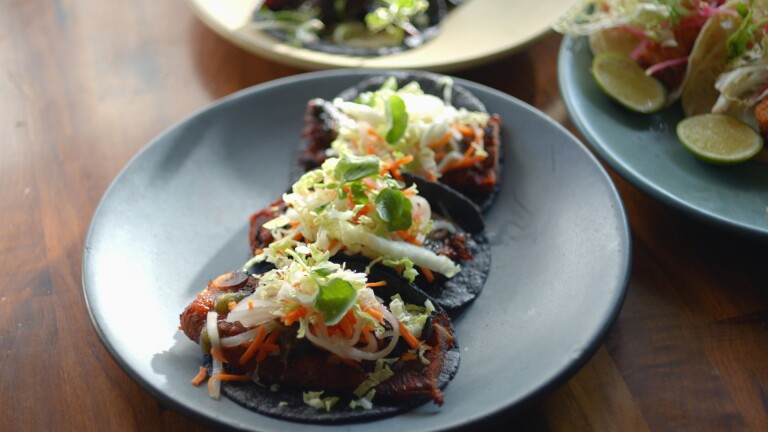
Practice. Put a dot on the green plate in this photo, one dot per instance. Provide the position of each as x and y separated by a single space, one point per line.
644 149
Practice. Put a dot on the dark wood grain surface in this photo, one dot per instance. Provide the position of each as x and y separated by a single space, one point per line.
85 84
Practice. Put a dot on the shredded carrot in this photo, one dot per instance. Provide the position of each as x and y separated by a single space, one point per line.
428 274
231 305
258 251
294 315
378 316
431 177
294 224
408 237
392 167
408 356
403 160
269 345
348 191
215 353
347 323
257 340
442 142
469 161
365 334
332 244
376 284
465 130
225 377
396 174
250 304
363 211
408 336
464 163
200 377
374 134
469 151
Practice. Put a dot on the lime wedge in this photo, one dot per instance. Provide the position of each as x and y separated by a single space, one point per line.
624 80
719 138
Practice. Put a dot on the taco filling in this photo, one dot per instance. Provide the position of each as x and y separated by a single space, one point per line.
311 338
658 35
729 67
353 206
414 123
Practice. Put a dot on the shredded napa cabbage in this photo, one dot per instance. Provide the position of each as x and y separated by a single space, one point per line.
431 132
375 378
334 215
411 316
317 294
745 79
364 402
317 402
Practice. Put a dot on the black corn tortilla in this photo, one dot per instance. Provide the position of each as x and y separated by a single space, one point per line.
263 400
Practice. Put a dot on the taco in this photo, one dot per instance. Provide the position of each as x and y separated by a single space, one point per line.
443 127
352 206
729 67
310 341
363 28
658 35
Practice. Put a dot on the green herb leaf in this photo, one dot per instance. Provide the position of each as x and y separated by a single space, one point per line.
365 99
394 208
351 168
738 41
389 84
334 299
324 269
359 195
397 117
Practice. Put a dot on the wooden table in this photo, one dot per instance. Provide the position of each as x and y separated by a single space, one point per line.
85 84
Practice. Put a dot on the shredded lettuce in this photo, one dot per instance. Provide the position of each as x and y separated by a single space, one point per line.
405 121
411 316
317 402
374 378
365 402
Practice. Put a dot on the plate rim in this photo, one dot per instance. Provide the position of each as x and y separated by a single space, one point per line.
565 83
316 60
591 346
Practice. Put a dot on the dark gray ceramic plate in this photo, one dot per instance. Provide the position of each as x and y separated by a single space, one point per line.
644 149
177 216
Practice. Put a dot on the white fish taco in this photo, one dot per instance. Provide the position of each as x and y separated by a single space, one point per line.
729 66
658 34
